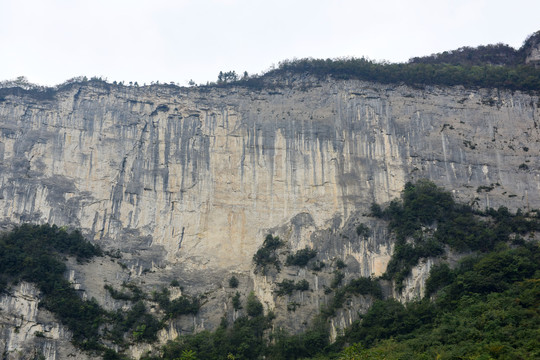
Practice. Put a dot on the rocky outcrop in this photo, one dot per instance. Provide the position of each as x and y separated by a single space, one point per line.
26 333
186 182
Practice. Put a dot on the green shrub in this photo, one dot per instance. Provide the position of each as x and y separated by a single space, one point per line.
237 305
317 265
363 231
253 305
118 295
365 286
302 285
233 282
439 276
286 287
179 306
376 210
266 255
360 286
338 277
301 257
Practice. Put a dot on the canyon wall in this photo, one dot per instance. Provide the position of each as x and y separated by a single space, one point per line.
187 182
198 176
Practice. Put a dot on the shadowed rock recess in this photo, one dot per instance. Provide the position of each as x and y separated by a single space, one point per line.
187 182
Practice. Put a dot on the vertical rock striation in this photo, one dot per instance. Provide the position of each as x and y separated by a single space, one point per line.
197 176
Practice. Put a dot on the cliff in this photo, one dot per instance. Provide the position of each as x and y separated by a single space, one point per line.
198 176
186 182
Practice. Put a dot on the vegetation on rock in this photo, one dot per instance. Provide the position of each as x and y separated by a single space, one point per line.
301 257
485 307
267 254
426 220
286 287
233 282
34 253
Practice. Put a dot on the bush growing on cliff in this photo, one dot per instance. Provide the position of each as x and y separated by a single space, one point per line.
340 264
337 279
301 257
286 287
137 322
267 254
362 231
359 286
182 305
237 305
253 305
233 282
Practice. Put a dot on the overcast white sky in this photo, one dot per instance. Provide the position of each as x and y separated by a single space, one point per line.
50 41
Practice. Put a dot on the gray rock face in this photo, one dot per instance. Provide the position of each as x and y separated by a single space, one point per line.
28 333
198 176
189 181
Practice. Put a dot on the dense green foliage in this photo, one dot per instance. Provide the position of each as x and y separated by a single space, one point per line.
33 253
518 77
253 305
137 323
340 264
135 295
439 275
487 308
243 340
491 66
182 305
301 257
248 338
427 219
499 54
237 305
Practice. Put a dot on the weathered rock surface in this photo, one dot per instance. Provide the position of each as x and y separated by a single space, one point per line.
187 182
198 176
28 333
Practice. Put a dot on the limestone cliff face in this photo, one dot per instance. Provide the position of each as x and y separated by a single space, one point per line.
26 333
197 176
187 182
